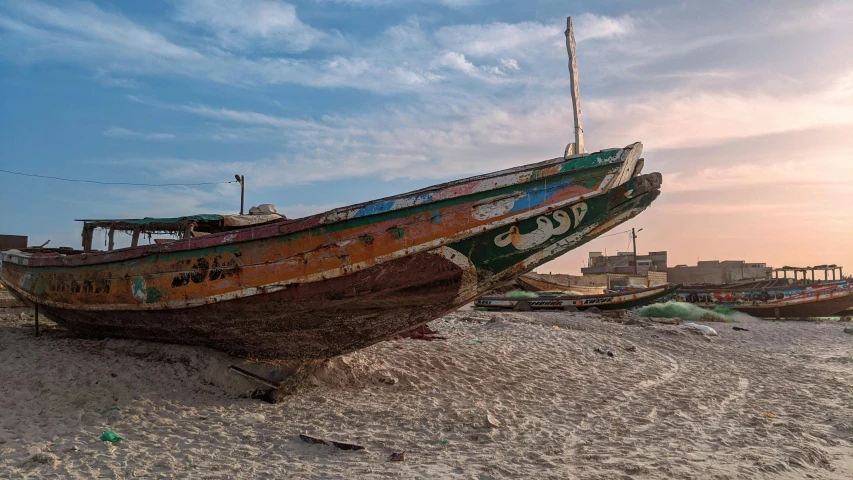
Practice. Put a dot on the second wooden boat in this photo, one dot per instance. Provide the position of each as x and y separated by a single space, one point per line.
803 301
609 301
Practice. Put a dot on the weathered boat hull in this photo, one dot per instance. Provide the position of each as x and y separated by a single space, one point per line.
795 302
339 281
617 301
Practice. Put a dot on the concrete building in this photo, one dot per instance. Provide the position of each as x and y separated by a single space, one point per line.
716 272
618 270
623 262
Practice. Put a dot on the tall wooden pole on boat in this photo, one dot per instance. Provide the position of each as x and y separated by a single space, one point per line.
575 86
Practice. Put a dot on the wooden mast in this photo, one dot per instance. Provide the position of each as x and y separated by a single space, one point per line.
576 147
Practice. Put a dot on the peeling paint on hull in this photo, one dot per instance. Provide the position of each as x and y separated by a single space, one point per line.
314 287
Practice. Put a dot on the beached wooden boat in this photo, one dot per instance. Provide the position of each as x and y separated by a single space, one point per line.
608 301
784 301
534 283
335 282
339 281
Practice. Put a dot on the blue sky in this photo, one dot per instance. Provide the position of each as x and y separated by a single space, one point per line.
746 107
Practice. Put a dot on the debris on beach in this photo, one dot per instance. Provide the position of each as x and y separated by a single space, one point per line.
111 437
420 333
332 443
397 457
703 329
492 422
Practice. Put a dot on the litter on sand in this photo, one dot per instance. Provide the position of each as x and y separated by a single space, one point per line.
111 436
702 328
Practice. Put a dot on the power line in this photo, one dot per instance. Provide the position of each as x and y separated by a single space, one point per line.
612 234
116 183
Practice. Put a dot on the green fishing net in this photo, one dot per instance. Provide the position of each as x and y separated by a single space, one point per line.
687 311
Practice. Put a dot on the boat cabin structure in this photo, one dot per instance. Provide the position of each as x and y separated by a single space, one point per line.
179 227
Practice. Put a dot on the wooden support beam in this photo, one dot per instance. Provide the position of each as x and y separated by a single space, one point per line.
134 241
112 242
88 235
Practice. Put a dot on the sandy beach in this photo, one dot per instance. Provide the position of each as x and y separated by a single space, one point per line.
506 395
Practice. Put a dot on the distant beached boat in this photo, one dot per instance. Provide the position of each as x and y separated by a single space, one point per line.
770 299
534 283
609 301
338 281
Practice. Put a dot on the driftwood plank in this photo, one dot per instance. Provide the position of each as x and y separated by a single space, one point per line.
320 441
253 377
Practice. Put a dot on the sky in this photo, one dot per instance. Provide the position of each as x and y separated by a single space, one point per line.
745 107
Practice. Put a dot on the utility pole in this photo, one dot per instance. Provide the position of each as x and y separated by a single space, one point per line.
634 238
242 180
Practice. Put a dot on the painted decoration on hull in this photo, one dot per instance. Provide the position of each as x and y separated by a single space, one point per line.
545 229
585 221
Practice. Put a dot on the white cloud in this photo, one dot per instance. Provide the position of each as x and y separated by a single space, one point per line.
687 119
241 24
498 38
94 29
253 118
589 26
124 132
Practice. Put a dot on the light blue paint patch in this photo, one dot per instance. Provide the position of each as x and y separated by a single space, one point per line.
421 199
374 208
27 281
537 195
435 217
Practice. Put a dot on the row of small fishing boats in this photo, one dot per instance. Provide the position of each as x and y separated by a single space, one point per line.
762 299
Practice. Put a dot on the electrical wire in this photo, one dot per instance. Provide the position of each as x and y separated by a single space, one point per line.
612 234
116 183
